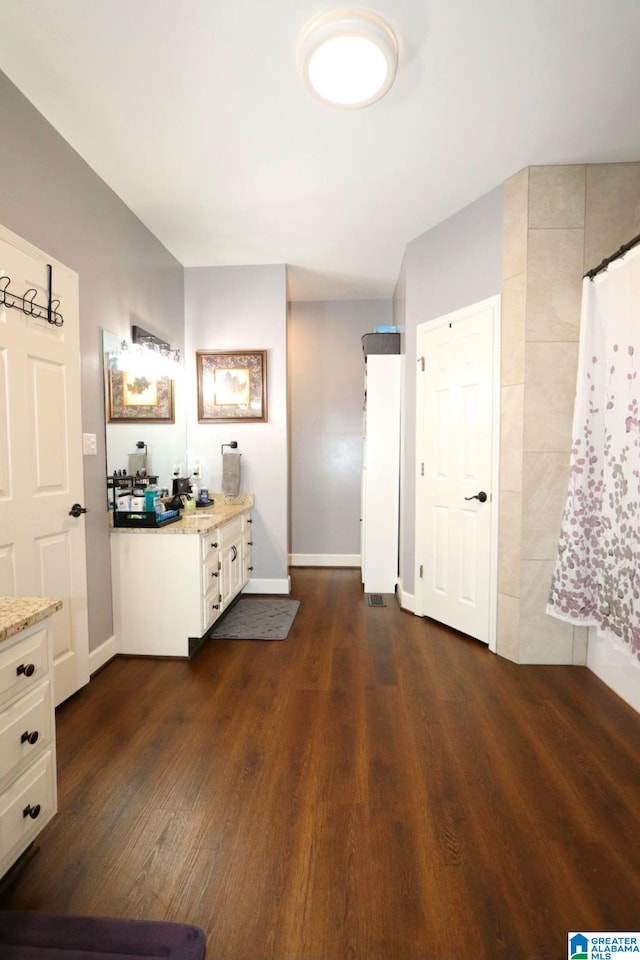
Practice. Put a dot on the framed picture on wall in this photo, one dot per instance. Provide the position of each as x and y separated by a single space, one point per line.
134 398
232 386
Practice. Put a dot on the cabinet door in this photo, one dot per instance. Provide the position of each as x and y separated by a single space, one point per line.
231 571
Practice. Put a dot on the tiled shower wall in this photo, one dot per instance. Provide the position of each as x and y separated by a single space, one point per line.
559 221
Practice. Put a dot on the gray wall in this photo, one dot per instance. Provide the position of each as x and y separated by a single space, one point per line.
457 263
245 308
51 198
326 371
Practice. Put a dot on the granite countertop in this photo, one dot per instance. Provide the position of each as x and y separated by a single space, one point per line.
199 520
18 613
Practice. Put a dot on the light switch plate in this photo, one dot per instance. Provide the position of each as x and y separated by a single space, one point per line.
89 448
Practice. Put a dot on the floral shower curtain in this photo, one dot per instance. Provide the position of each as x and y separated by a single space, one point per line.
596 580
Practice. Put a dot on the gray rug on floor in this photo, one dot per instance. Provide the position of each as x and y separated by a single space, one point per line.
257 618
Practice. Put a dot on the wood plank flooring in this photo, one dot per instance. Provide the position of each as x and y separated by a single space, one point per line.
374 787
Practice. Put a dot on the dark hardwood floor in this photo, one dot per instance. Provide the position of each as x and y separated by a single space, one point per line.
373 787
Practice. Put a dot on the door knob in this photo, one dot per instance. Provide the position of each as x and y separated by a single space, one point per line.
77 510
478 496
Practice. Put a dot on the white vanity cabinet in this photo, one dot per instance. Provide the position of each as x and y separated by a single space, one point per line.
28 792
171 585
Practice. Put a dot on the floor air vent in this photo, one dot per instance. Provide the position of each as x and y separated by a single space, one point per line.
376 600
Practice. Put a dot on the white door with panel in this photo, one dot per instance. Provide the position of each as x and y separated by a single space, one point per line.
42 546
380 485
457 446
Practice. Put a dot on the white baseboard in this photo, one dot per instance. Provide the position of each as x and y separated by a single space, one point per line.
102 654
614 668
324 559
406 600
269 586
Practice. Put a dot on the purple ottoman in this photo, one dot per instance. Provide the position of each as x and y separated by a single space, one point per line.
28 935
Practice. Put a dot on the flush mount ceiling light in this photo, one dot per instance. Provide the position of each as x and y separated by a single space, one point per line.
349 58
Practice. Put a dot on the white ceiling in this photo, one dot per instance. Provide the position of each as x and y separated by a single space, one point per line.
194 113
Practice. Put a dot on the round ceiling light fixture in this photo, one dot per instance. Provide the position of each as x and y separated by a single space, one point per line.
349 58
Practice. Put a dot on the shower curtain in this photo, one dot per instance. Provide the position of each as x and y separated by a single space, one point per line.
596 580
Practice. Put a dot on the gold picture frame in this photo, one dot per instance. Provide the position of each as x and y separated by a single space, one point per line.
133 398
232 386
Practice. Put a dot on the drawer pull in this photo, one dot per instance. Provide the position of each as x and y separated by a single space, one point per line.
249 543
214 573
249 568
249 521
30 737
28 669
235 553
33 812
212 545
215 606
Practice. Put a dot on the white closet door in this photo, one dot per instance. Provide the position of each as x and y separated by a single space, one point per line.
381 474
42 547
456 490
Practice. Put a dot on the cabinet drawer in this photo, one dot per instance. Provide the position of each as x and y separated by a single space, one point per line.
210 544
25 730
211 574
23 664
232 530
27 806
211 609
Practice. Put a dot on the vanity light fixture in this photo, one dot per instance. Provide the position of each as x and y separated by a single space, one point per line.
155 344
348 58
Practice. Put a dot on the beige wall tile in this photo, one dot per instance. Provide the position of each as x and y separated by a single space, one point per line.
556 196
543 639
544 490
613 209
554 284
513 329
508 627
549 395
516 216
511 434
509 543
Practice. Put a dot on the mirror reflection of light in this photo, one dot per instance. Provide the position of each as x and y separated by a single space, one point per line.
139 360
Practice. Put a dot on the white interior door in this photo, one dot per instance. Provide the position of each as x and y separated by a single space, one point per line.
457 451
42 547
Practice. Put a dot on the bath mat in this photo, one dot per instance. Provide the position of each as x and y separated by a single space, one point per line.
257 618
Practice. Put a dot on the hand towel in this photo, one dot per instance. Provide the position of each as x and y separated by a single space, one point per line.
231 474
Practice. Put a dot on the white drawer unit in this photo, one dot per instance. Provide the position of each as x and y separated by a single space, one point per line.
28 792
169 588
26 728
25 807
24 663
247 544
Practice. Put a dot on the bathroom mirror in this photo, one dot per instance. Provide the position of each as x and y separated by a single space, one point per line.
156 435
